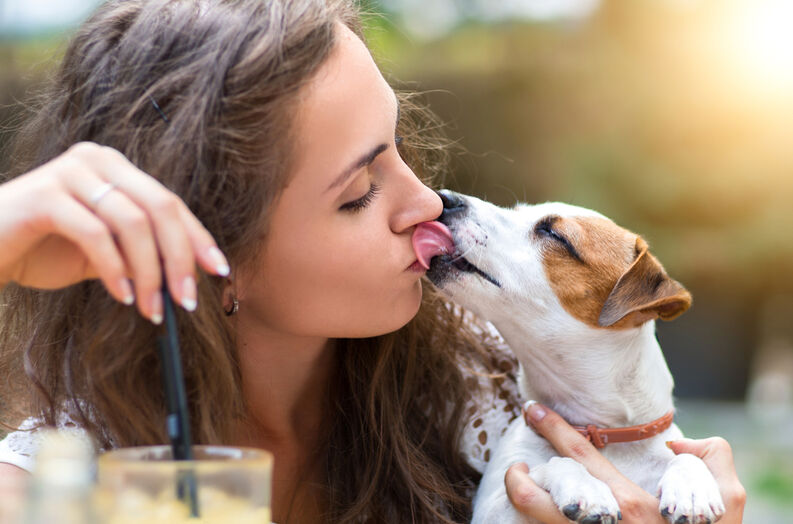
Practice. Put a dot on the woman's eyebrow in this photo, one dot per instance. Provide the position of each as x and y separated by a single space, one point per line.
364 161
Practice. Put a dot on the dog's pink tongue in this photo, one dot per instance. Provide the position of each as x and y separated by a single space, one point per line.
431 239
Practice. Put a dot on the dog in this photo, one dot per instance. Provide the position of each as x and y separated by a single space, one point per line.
575 297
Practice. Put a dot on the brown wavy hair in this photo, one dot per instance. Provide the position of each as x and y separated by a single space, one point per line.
225 77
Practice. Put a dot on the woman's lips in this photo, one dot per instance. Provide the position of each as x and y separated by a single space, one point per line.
431 239
416 267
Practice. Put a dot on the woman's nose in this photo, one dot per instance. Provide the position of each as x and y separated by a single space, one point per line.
418 203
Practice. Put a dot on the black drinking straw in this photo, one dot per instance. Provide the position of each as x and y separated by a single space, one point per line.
178 419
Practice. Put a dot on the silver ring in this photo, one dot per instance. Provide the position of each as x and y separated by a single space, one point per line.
101 192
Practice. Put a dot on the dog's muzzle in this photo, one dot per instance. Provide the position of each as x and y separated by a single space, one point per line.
455 209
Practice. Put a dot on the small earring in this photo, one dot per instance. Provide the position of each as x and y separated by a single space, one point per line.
235 306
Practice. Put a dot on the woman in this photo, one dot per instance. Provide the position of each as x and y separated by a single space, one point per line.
274 127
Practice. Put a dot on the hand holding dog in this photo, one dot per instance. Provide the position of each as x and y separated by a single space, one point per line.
636 505
90 213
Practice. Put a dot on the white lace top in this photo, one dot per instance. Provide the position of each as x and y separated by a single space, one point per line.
488 414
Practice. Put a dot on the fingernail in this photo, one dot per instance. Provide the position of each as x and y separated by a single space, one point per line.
535 411
126 291
221 264
669 443
525 411
189 293
156 308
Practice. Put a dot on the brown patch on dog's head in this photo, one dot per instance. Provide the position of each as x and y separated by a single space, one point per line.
605 275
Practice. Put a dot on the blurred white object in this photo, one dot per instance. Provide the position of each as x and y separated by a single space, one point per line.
770 391
27 17
436 18
60 490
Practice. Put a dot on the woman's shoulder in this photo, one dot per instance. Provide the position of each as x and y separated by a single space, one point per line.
21 446
495 400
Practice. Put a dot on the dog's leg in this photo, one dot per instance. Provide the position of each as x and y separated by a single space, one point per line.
519 444
689 493
580 496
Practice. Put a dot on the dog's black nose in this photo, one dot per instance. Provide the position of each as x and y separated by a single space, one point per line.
452 203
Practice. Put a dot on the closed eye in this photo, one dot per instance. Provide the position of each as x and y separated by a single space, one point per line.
363 202
544 228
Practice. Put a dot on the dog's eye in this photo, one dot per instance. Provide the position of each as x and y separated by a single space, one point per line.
544 228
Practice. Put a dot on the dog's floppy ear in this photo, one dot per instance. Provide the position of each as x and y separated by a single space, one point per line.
644 292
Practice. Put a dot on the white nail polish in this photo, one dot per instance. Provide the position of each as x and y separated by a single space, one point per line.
221 265
189 294
189 305
126 290
528 404
156 308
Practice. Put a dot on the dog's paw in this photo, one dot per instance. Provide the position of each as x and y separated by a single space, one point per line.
580 496
689 493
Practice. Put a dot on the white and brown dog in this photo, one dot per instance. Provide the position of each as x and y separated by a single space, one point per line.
575 297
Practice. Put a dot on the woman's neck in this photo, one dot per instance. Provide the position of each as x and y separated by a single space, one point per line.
286 381
285 384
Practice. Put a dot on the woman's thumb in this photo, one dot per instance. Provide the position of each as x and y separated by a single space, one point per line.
715 452
686 445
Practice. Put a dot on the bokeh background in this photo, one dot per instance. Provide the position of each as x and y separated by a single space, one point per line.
673 117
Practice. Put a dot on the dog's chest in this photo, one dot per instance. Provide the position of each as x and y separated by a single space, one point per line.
642 462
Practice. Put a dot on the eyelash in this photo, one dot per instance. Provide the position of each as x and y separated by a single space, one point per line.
361 203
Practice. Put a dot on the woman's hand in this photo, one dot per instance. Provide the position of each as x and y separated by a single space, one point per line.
90 213
636 505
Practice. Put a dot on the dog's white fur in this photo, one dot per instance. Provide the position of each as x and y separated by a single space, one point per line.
589 375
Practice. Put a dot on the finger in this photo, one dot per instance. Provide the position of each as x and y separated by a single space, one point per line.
163 211
175 248
530 499
146 191
76 223
716 453
209 256
135 235
570 443
133 229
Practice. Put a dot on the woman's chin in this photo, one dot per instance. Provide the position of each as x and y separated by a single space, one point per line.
415 304
399 315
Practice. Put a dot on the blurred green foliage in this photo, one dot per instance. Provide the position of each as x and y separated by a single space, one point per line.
775 484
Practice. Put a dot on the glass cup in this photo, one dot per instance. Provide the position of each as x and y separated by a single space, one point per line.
145 485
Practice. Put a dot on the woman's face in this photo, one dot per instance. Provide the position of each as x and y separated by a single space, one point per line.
337 260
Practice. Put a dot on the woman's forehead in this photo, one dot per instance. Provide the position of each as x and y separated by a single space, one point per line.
345 109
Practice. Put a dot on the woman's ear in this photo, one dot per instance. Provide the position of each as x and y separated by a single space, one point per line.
229 294
644 292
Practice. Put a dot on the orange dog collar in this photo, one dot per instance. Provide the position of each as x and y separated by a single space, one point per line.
600 437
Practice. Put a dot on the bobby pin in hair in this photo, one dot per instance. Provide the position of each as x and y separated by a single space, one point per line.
159 109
